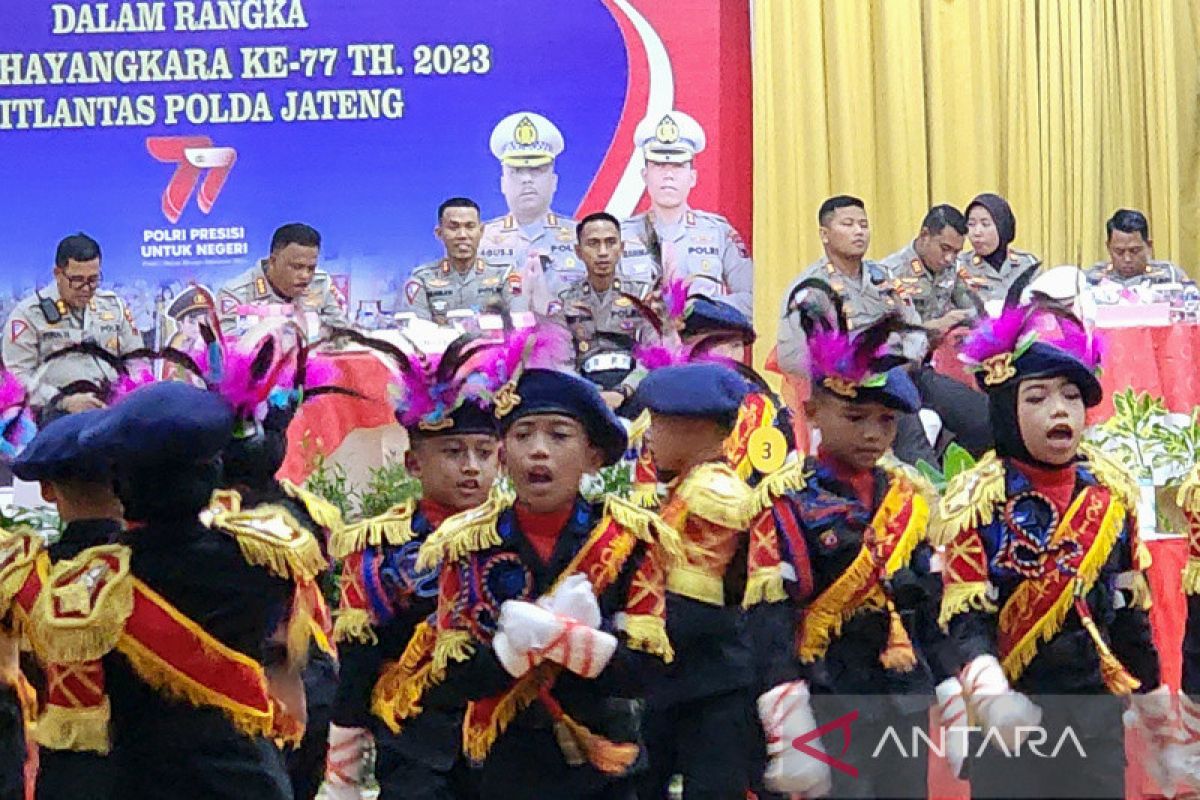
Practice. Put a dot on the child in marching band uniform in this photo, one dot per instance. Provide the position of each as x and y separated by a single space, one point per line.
855 539
550 616
454 453
1045 592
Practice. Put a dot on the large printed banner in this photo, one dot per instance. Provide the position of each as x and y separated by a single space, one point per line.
180 133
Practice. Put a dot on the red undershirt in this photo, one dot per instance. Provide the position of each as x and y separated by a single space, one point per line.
435 512
1056 483
861 481
542 530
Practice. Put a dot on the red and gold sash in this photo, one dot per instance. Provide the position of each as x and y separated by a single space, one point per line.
601 558
899 525
1036 610
756 411
91 605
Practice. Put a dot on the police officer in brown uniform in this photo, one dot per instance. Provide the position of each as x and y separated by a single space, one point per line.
991 265
289 276
462 280
70 311
865 287
604 323
1131 255
924 270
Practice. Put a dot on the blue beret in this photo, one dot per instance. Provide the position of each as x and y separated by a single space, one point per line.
898 392
547 391
693 390
705 315
1043 360
163 423
468 418
56 454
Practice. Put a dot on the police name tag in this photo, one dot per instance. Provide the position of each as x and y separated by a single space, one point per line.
603 362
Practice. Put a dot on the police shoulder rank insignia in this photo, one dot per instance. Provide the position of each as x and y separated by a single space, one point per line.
917 268
260 286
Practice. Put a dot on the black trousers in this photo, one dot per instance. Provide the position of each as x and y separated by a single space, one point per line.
711 741
12 746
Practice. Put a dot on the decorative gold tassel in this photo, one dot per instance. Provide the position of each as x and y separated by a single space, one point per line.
270 537
323 512
93 634
958 598
898 655
80 730
1112 671
647 633
609 757
970 501
647 527
354 625
1191 576
715 493
393 527
644 495
765 585
463 533
791 478
451 645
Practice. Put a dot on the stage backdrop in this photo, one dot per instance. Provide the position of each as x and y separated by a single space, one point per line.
180 134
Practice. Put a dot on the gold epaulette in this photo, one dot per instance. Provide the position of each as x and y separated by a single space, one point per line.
82 609
463 533
19 549
791 478
392 527
270 537
648 527
1188 498
970 500
898 469
1113 475
714 492
323 512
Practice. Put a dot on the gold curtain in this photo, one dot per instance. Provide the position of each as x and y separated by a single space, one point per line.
1068 108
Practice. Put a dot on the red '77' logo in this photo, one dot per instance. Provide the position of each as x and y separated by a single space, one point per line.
842 723
194 155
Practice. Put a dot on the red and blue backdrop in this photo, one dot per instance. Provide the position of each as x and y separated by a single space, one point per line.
371 186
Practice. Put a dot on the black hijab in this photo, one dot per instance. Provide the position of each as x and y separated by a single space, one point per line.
1006 225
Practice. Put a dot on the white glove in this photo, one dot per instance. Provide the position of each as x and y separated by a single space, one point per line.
1182 759
1153 716
346 764
996 706
786 715
952 718
522 631
574 598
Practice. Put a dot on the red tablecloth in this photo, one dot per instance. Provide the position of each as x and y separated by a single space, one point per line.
1161 361
323 424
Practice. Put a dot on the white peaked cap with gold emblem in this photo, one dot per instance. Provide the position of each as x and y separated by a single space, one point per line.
526 139
670 138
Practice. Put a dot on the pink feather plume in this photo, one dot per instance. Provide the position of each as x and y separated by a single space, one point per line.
834 354
1003 334
12 392
995 335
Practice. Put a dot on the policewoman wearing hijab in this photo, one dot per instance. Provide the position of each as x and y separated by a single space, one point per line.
991 265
